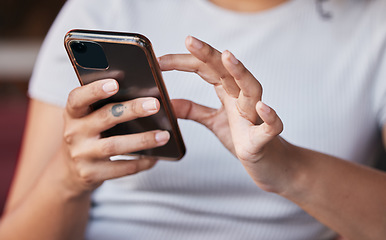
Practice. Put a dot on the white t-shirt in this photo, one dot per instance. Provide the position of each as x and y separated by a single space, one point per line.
326 78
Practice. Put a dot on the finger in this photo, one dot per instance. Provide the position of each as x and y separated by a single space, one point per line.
244 79
112 114
186 109
96 172
251 90
122 144
212 57
270 128
189 63
214 119
81 98
180 62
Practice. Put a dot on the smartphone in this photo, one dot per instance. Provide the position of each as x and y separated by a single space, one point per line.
129 58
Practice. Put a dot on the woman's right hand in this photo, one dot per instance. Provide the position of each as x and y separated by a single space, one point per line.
87 153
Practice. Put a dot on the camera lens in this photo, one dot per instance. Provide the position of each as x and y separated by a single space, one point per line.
78 47
89 54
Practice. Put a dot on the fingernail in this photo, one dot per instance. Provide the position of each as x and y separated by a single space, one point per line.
162 136
110 86
232 58
149 105
264 107
197 44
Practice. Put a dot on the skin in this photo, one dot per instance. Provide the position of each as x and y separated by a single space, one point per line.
247 5
76 165
310 179
64 159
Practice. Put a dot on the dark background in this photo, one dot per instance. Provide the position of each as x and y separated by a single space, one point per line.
23 25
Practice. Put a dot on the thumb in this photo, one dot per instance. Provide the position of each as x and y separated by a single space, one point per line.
186 109
270 128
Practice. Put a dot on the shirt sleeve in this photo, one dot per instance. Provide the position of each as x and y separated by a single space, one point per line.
53 76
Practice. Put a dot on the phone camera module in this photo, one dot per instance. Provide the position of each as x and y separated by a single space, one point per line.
89 55
79 47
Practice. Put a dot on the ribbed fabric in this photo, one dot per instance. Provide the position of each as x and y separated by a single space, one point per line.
325 78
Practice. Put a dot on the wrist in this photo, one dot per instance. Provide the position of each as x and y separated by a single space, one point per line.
281 170
299 176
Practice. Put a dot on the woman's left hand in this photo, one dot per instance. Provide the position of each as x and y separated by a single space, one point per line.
244 124
250 130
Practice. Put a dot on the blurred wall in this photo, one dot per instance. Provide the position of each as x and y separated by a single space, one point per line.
23 25
27 18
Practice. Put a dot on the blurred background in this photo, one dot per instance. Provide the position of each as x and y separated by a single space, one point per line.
23 25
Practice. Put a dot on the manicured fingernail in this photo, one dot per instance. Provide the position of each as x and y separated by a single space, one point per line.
162 136
110 86
149 105
197 44
264 107
232 58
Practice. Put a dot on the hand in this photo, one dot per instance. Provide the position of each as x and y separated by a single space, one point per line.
244 124
88 153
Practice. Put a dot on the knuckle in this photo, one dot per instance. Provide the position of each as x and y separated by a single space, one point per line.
73 129
108 148
148 163
272 130
72 103
68 136
133 168
86 175
241 72
208 55
199 69
76 156
95 90
136 108
147 140
171 60
268 130
224 76
104 117
275 127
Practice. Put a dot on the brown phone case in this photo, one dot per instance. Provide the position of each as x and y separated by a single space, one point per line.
128 58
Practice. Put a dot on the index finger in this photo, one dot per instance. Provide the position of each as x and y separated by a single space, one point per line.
203 60
251 89
248 84
81 98
212 57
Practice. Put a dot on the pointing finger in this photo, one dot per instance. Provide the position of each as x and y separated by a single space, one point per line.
251 89
212 57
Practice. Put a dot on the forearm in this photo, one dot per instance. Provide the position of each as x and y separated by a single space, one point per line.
349 198
49 211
